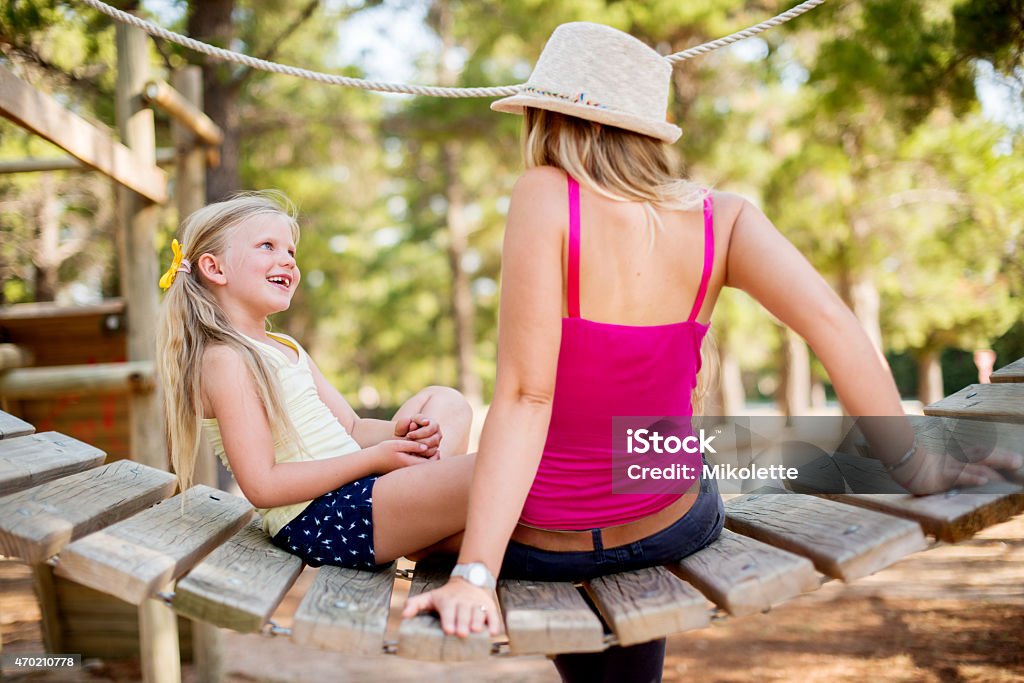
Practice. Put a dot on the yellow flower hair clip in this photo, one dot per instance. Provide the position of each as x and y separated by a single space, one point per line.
180 264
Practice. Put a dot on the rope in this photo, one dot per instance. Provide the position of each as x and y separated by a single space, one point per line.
402 88
745 33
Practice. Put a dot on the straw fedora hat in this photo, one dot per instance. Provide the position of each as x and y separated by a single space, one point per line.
600 74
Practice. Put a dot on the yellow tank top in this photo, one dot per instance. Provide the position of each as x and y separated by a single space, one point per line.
322 435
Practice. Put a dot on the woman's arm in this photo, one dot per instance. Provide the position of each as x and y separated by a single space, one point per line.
229 394
764 264
529 335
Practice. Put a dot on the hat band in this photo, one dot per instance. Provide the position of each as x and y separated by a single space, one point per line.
578 98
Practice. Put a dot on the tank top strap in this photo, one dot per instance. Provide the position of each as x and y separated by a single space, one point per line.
709 255
572 280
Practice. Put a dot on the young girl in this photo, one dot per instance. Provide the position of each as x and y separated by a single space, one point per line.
611 267
331 487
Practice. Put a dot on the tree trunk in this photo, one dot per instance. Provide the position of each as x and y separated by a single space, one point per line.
46 257
210 21
929 376
795 375
458 231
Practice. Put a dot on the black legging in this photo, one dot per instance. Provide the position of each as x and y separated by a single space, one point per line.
641 663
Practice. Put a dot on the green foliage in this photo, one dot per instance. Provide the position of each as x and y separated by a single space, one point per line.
856 128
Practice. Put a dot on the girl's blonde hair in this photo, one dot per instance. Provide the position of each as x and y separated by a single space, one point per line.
191 320
623 166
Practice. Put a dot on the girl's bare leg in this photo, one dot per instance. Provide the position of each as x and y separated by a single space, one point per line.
420 506
451 411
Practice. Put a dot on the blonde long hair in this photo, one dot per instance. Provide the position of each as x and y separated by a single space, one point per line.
622 166
191 320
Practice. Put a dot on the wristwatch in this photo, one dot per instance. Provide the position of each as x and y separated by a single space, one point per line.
475 573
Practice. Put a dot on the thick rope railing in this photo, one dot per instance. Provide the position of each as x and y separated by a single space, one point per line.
403 88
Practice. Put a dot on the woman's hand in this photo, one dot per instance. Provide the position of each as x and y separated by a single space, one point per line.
463 608
928 473
395 454
421 429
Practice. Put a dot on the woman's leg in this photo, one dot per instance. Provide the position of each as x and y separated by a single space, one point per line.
419 506
451 411
641 663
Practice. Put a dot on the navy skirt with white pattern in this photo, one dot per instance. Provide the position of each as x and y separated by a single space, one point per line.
335 529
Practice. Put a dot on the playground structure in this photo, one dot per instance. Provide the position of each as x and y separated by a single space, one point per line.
89 371
112 527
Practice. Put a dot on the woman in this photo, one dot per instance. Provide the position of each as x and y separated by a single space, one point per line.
611 269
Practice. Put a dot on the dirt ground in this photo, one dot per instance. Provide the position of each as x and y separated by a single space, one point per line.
949 614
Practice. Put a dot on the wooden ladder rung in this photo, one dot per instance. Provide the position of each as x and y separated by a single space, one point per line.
30 460
346 610
11 427
1014 372
548 617
743 575
843 541
240 584
37 523
422 638
1002 402
648 603
139 556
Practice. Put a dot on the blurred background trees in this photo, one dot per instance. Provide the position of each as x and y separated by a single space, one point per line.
883 137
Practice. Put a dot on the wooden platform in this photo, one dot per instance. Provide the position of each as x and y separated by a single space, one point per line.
205 555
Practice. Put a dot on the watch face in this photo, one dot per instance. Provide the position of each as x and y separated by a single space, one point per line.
477 576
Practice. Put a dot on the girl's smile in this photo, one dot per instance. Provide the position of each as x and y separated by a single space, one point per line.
259 266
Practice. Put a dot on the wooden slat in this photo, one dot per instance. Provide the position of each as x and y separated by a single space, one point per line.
240 584
11 426
140 555
951 516
843 541
422 638
1003 402
37 458
545 617
1014 372
89 378
648 603
37 522
346 610
44 116
743 575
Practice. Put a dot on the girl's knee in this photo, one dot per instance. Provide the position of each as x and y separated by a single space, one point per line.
451 399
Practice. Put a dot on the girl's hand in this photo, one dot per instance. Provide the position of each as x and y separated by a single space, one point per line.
395 454
463 608
421 429
933 473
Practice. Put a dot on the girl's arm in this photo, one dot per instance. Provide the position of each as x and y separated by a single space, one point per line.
529 335
229 394
368 431
764 264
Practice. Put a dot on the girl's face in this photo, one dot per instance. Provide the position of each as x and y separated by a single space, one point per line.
259 265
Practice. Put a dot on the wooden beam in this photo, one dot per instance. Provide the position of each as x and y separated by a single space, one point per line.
14 356
183 111
38 458
136 377
164 156
45 117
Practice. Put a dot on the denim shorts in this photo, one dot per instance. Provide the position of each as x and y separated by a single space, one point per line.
335 529
695 530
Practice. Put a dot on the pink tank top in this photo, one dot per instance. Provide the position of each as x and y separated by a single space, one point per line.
606 370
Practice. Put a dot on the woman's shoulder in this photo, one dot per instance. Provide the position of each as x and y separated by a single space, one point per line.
543 183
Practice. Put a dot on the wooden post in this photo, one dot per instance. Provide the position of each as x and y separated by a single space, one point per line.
190 195
158 628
